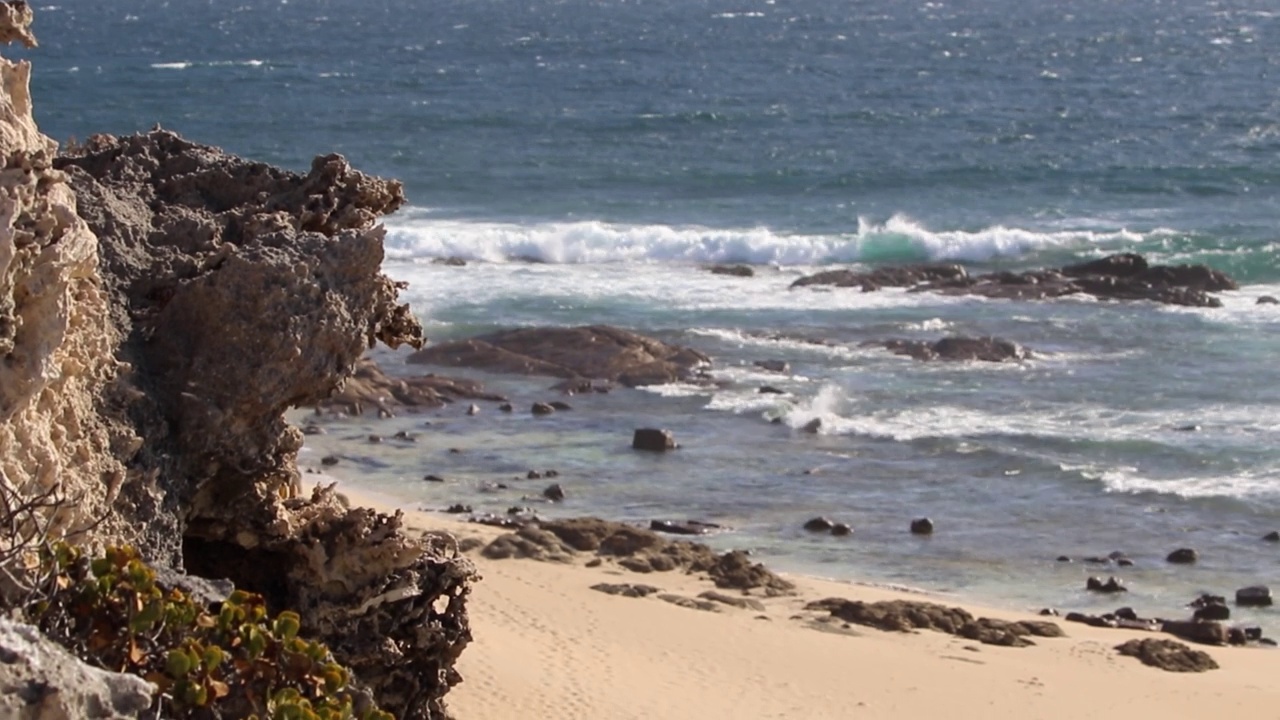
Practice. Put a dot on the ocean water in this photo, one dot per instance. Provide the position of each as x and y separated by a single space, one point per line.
589 158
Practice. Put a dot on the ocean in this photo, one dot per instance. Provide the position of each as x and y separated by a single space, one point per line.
589 158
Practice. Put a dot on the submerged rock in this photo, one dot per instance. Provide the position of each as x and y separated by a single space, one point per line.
596 352
733 270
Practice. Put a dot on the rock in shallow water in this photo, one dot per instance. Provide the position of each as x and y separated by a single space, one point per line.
653 439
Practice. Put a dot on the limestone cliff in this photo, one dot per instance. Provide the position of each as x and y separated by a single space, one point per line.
162 304
56 343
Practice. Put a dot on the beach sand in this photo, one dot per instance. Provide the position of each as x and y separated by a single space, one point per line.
548 646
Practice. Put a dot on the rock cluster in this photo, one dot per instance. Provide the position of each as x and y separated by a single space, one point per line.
1124 276
905 615
1168 655
635 549
369 387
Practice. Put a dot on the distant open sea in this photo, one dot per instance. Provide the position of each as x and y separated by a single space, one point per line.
625 144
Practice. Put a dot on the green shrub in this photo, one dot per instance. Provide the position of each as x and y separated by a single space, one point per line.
237 663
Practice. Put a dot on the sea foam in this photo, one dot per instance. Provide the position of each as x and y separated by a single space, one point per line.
417 234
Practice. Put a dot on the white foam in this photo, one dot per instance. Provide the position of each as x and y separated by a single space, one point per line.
171 65
1249 484
417 234
789 345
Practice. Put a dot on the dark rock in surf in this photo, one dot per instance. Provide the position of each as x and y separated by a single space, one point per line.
1273 536
1111 585
732 270
1183 556
1267 300
922 526
902 276
560 405
688 527
819 524
1206 633
957 349
770 390
541 408
841 530
653 439
778 366
1254 596
1212 612
554 493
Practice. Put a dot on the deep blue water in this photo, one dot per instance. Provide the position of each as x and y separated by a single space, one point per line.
623 144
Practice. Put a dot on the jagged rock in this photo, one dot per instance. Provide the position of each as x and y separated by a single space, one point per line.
625 589
553 492
1273 536
528 542
358 581
812 427
39 680
922 526
1207 599
1254 596
653 439
956 349
583 386
596 352
734 270
1183 556
1118 277
735 570
458 509
370 387
1168 655
58 432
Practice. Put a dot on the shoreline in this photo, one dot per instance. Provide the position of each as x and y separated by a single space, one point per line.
547 645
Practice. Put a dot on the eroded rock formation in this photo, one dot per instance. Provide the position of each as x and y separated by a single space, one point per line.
596 352
152 348
906 615
371 389
55 337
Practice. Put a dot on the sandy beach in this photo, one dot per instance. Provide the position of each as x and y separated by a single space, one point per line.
548 646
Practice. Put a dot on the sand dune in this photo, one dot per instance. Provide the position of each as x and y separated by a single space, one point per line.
548 646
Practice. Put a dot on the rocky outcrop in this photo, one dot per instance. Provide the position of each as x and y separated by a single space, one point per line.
370 388
906 615
635 549
57 438
596 352
1168 655
361 585
39 680
957 349
1125 276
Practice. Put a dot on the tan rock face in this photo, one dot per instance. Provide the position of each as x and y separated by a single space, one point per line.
55 341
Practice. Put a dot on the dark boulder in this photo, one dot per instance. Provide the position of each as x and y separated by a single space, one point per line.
1206 633
653 439
1111 585
1254 596
1273 536
1183 556
958 349
778 366
1212 612
554 493
1268 300
770 390
541 408
841 530
732 270
903 276
819 524
922 526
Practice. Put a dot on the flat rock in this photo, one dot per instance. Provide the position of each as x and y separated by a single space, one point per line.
733 270
1168 655
625 589
908 615
744 603
691 603
596 352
